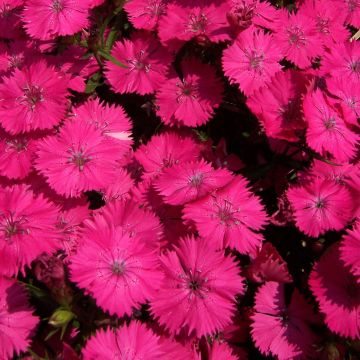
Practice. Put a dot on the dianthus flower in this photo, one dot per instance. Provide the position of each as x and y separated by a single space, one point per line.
279 329
119 271
232 217
145 64
189 181
350 251
191 99
320 205
32 98
46 19
78 159
351 9
252 60
198 292
27 228
337 292
17 323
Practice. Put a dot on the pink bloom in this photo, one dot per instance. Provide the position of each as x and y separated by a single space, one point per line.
165 150
343 61
350 251
111 120
145 61
320 205
17 323
200 19
192 99
252 60
232 216
352 10
269 266
27 228
189 181
78 159
128 342
327 132
120 272
145 14
32 98
198 292
10 21
17 154
279 107
46 19
338 294
279 329
297 38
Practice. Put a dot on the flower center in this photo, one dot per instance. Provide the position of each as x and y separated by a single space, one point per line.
241 15
355 66
78 158
296 36
330 123
196 180
138 63
118 268
155 8
11 226
197 23
33 94
255 60
322 25
17 144
352 5
5 11
320 203
57 6
185 90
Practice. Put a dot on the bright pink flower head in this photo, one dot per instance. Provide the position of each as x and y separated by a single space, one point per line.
191 100
17 154
279 329
10 20
252 60
145 14
297 38
189 181
337 292
320 205
32 98
201 20
46 19
17 323
230 217
350 251
145 61
199 289
120 272
327 133
165 150
279 107
351 8
131 342
269 266
27 228
111 120
343 61
78 159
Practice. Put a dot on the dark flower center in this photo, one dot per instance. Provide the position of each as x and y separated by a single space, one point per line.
319 203
197 23
33 94
355 66
57 6
17 144
255 60
296 36
78 158
155 8
118 268
11 226
330 123
196 180
194 285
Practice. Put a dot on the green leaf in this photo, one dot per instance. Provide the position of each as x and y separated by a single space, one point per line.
107 56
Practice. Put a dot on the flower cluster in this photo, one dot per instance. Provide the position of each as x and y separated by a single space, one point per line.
179 179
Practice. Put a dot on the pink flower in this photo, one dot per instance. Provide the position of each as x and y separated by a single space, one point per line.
269 266
199 19
327 132
10 21
46 19
145 14
352 10
279 329
145 61
32 98
17 323
232 216
111 120
198 292
350 251
17 154
191 100
119 271
165 150
252 60
279 107
337 292
297 38
134 341
320 205
78 159
27 228
189 181
343 61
